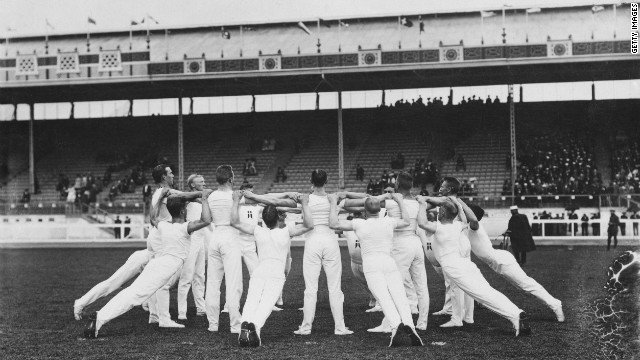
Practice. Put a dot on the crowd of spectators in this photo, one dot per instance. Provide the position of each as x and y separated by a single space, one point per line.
424 172
555 164
437 101
586 221
249 168
84 190
625 168
264 144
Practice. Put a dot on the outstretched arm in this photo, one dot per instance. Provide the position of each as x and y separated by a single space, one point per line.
359 202
468 213
307 223
429 227
281 200
334 222
235 217
205 215
188 196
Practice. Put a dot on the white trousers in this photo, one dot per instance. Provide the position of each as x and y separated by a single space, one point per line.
503 263
385 282
192 277
465 275
131 268
249 256
358 274
261 297
409 256
225 260
321 251
155 275
461 303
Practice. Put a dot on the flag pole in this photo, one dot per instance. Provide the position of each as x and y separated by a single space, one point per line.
166 44
481 28
130 34
614 20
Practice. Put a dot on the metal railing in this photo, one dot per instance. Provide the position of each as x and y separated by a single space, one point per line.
54 232
628 201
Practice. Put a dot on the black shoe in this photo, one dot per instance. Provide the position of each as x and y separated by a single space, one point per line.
90 331
254 339
525 329
243 338
396 336
413 335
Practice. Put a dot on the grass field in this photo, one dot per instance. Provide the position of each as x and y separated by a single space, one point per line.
38 287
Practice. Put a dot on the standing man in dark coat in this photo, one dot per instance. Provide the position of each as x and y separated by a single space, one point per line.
623 225
521 239
574 216
127 230
118 229
585 225
612 230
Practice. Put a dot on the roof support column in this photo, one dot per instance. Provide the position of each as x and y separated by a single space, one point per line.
340 144
180 145
32 165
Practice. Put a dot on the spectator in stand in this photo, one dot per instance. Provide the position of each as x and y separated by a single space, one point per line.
585 224
595 224
612 230
496 100
623 225
635 216
146 192
26 196
384 179
370 187
359 173
127 229
280 175
113 192
245 169
252 167
71 195
117 229
77 184
460 164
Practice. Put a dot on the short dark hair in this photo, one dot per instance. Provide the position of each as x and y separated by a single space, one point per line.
270 216
450 209
318 178
158 172
224 173
404 181
477 210
453 183
246 186
175 206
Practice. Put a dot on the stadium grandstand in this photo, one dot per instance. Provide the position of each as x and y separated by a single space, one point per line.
493 97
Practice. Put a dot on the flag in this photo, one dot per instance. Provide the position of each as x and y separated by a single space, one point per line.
152 19
304 28
49 24
406 22
91 21
486 14
225 34
133 23
142 21
596 9
324 23
533 10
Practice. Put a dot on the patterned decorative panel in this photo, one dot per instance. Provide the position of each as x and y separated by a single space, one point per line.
329 60
68 63
6 63
157 68
27 65
622 47
559 48
47 61
250 64
213 66
493 52
194 66
582 48
372 58
270 62
516 51
110 61
175 68
537 50
390 57
603 47
289 62
231 65
410 56
451 53
473 53
89 59
430 55
308 61
349 59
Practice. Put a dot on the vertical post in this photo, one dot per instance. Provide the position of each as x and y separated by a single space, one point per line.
340 144
593 91
32 165
512 127
180 145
